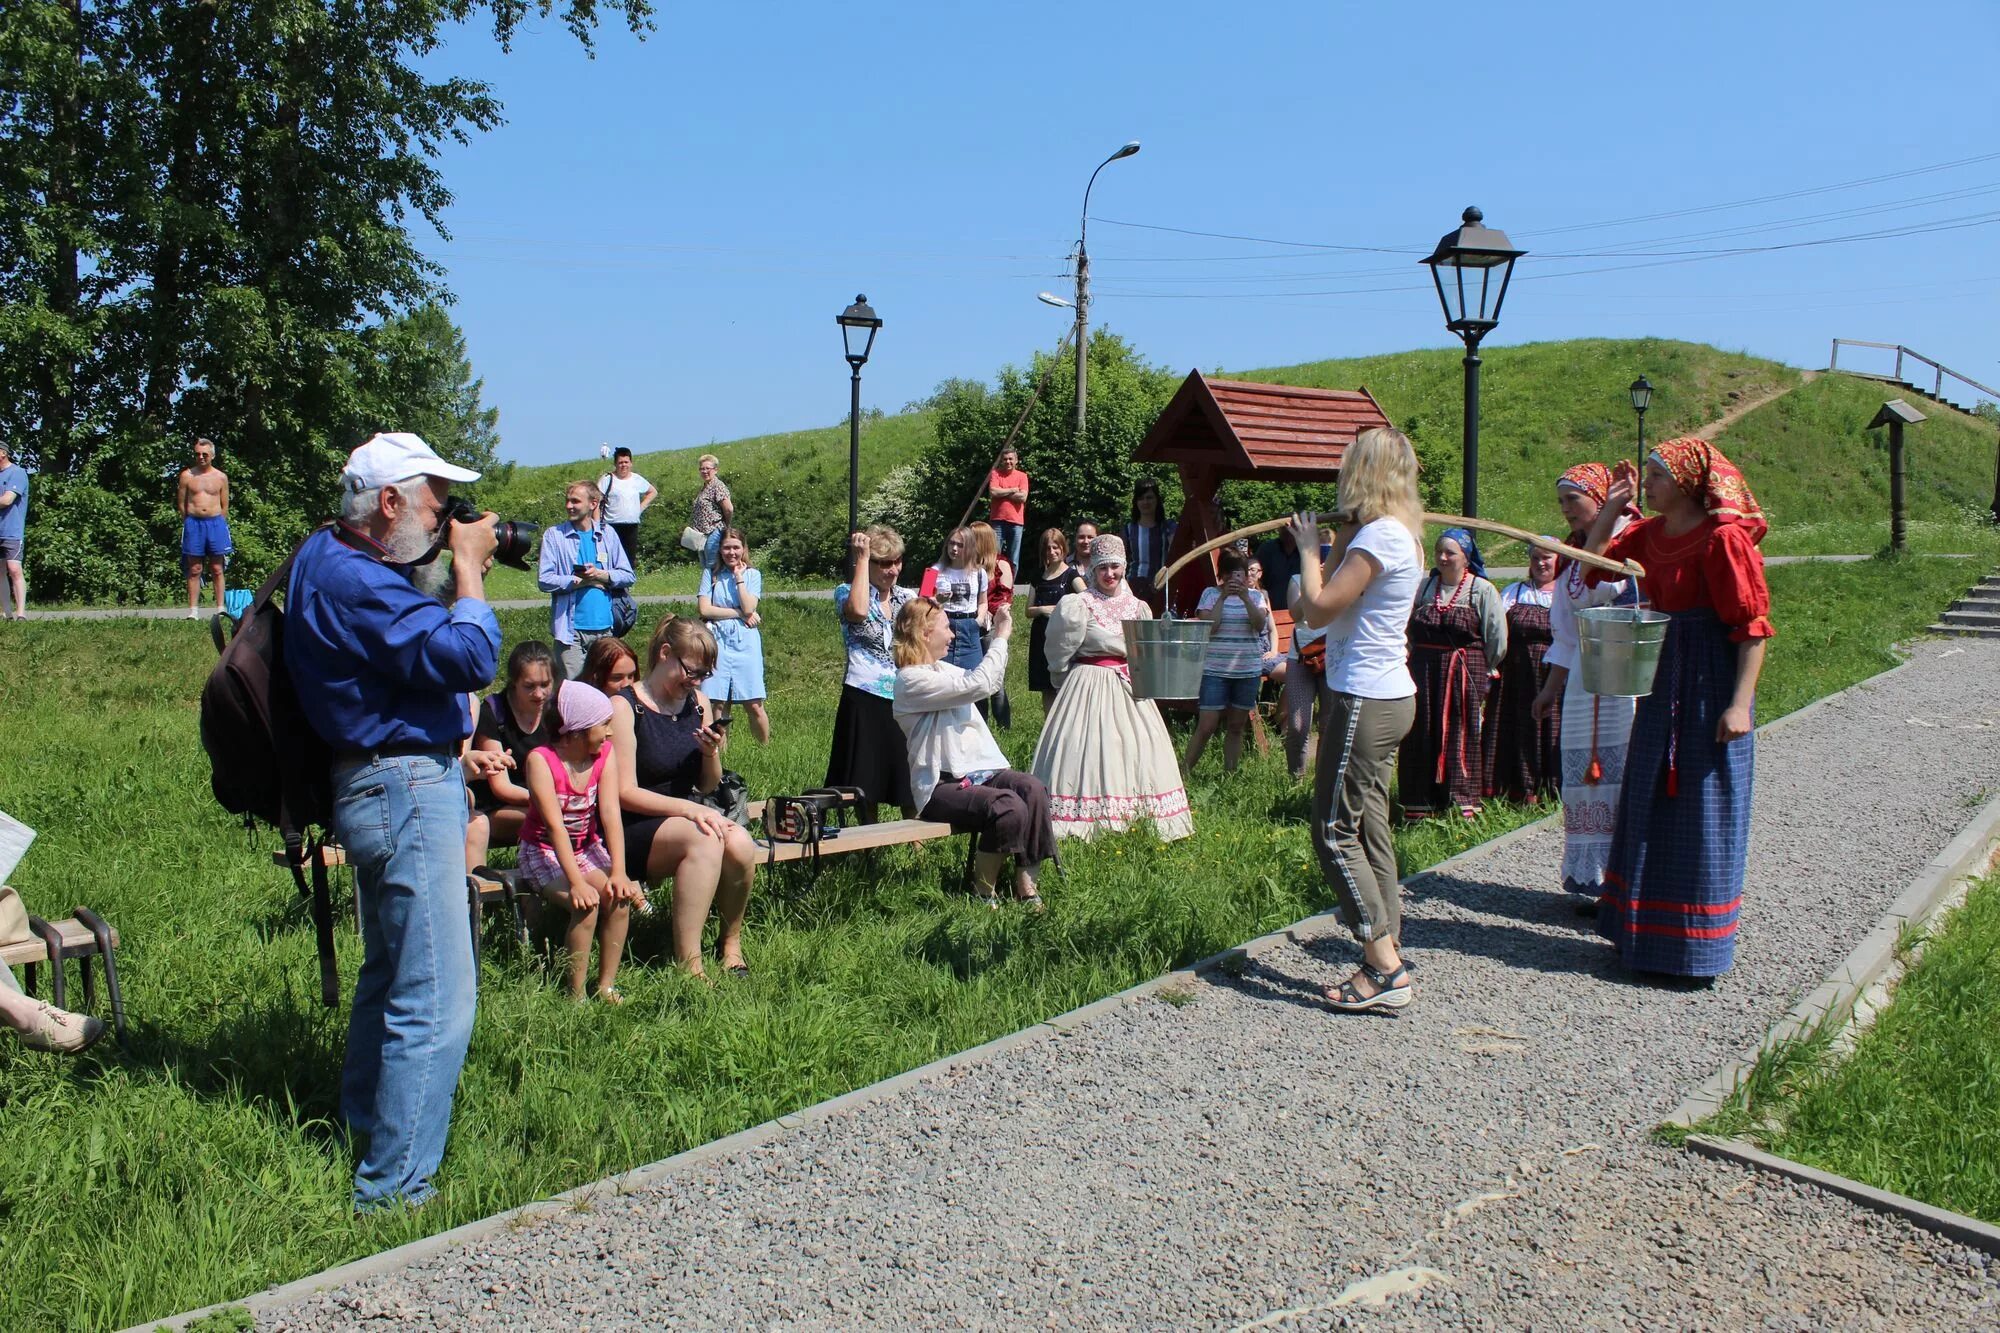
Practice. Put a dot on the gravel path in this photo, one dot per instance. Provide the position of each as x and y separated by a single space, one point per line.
1243 1154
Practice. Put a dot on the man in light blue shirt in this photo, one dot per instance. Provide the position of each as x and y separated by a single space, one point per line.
13 529
381 672
582 563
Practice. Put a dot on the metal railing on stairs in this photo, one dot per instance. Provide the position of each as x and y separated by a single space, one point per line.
1941 372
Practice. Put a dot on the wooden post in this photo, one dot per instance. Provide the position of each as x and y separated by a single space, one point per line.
1896 486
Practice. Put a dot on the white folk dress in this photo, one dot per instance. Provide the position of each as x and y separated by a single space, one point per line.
1105 756
1596 730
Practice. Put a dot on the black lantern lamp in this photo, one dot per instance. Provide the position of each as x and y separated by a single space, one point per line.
1471 268
1642 398
858 325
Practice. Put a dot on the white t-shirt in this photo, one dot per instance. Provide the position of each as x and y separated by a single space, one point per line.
622 496
1368 644
960 592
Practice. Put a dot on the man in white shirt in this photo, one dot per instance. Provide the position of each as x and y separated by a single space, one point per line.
627 495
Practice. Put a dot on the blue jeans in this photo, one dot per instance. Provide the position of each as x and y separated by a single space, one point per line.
711 548
402 821
1010 543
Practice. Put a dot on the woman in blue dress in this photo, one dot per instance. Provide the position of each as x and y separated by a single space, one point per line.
728 598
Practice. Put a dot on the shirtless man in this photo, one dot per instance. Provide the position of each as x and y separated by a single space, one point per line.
202 496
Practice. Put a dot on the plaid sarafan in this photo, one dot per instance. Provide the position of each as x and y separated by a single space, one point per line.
1705 476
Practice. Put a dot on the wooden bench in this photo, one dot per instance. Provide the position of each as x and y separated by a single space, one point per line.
82 937
493 889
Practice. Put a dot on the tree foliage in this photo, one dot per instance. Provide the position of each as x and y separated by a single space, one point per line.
203 231
1072 480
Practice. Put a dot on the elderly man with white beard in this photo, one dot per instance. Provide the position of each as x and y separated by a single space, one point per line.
382 670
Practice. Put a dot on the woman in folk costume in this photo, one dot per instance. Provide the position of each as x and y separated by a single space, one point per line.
1674 884
1105 756
1458 634
1596 728
1522 759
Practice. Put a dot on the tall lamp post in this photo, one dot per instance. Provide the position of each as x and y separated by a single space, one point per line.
1083 287
858 324
1472 310
1642 398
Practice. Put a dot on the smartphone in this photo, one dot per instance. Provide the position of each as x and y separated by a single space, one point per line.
720 723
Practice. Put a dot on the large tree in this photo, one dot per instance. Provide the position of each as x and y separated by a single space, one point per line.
203 229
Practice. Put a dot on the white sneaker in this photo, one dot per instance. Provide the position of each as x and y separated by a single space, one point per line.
61 1031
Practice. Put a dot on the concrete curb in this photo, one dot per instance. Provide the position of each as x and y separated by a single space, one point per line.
1060 1025
1967 1231
1832 1002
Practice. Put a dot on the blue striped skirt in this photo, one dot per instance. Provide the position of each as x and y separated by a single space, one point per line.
1674 885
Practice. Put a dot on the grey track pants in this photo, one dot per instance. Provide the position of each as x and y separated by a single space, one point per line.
1351 833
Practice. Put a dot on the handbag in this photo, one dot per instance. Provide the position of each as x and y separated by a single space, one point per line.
13 917
624 612
1312 656
693 539
730 799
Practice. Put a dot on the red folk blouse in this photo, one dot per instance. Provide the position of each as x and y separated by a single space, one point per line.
1716 567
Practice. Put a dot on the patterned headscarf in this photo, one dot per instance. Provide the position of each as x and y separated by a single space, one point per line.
1712 481
1473 560
1591 479
579 707
1121 603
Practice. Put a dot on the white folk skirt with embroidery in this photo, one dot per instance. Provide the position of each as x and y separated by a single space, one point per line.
1108 762
1590 809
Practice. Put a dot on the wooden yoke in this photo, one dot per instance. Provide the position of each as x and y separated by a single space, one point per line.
1628 568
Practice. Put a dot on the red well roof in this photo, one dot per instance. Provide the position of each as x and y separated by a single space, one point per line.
1277 432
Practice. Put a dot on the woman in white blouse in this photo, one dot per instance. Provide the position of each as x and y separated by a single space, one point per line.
958 776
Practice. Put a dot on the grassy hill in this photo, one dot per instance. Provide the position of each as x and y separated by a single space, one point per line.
1822 476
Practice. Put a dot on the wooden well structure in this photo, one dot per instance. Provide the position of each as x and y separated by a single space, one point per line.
1221 430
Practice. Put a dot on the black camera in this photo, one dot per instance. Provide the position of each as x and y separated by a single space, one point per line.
517 540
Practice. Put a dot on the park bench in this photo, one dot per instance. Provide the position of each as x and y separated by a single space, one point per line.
839 839
81 937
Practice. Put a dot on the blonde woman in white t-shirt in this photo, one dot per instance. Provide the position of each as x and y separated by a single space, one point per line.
1364 605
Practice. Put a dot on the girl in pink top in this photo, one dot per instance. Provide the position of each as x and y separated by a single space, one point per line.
573 843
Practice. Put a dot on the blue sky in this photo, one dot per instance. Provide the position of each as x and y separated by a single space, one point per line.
652 250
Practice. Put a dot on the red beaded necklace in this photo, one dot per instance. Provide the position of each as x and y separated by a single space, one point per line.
1441 604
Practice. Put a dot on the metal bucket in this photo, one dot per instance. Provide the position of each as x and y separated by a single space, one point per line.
1166 657
1621 648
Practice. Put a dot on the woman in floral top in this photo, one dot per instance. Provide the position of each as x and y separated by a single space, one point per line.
868 747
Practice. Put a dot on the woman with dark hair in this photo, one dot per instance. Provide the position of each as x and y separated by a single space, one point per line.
1458 634
959 776
1233 668
610 666
1147 538
669 751
1674 885
1058 580
514 720
1523 762
867 750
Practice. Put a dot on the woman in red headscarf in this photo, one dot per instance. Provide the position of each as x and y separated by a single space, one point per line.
1596 728
1674 885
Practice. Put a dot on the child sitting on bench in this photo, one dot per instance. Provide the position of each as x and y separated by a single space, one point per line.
573 843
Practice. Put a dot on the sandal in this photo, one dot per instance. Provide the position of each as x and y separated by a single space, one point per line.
609 995
1392 991
1032 901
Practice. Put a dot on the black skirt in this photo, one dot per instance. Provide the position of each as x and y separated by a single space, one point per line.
869 750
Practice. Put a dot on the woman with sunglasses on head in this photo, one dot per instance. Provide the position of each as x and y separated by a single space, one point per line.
1674 885
868 750
669 751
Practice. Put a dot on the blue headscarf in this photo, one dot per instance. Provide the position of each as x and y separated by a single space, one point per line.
1473 561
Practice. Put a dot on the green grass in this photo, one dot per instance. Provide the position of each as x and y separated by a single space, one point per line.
201 1162
1915 1107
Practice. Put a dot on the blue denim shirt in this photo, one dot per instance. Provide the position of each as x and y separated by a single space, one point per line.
376 663
557 573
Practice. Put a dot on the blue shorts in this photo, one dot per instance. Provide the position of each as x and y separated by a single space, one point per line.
1220 692
203 538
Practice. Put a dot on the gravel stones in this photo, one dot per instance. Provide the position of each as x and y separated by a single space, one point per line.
1247 1155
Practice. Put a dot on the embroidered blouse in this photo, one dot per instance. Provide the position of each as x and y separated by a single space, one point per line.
1714 567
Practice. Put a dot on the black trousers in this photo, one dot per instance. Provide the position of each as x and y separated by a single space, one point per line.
1010 812
628 537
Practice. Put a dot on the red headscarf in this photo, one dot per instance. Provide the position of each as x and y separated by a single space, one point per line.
1593 479
1712 481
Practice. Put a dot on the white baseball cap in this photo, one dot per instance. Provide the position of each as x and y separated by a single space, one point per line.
395 456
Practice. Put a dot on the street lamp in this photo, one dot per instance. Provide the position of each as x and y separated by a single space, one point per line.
858 324
1642 398
1472 310
1083 287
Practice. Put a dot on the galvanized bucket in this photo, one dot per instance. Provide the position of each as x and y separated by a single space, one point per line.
1621 648
1166 657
